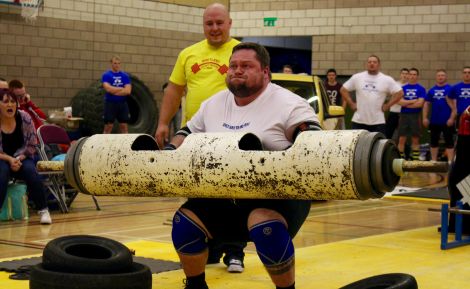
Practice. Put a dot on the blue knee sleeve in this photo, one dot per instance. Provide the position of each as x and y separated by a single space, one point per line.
273 243
187 236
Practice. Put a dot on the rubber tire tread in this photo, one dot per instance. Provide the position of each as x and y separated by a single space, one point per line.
385 281
138 276
56 255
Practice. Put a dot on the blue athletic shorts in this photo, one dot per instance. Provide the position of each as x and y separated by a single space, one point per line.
116 110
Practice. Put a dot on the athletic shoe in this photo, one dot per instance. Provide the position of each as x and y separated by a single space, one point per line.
235 265
45 217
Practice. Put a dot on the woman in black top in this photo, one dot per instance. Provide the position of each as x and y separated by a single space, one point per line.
17 149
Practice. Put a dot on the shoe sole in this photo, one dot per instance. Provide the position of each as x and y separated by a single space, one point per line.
235 269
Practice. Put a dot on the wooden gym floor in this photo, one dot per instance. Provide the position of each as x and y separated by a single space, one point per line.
341 241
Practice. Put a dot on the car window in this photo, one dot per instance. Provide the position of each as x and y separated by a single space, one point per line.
303 89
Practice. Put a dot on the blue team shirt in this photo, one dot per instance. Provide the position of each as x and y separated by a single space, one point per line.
440 111
116 79
461 92
413 91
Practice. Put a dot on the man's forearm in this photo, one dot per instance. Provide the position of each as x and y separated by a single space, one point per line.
417 104
347 97
177 140
396 98
452 103
426 110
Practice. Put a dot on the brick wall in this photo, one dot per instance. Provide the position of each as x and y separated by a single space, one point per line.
272 5
422 33
427 52
70 44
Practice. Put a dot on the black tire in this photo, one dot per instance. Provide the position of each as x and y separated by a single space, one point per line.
86 254
137 277
385 281
89 104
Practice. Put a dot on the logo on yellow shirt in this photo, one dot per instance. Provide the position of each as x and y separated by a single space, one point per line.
222 69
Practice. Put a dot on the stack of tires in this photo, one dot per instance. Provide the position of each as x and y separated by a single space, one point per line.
91 262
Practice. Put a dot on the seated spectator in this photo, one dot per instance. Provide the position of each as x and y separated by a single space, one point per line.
24 99
17 148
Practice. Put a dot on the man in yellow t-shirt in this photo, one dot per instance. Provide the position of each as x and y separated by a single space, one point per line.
200 71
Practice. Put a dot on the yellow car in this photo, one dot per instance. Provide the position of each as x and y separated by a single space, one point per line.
311 88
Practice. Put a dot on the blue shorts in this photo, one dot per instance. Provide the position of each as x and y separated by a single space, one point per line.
116 110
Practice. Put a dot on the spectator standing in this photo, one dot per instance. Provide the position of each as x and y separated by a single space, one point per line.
17 148
200 69
287 69
394 113
410 123
200 72
460 92
117 85
26 104
276 115
443 113
333 89
372 87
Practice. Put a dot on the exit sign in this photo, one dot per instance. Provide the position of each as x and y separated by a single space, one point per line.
270 21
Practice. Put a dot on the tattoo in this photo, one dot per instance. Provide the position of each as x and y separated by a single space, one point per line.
282 268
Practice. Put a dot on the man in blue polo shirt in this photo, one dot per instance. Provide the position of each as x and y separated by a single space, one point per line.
460 92
443 113
118 87
411 104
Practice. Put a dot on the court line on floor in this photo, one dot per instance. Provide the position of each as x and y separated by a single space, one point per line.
21 244
357 211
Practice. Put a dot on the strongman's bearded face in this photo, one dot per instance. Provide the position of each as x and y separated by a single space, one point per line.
245 76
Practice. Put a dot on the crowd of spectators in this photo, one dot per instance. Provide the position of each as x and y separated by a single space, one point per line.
405 114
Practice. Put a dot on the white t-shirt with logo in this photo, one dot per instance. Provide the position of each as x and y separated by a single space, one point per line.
371 91
272 116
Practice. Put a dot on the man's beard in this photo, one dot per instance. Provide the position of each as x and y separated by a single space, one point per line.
242 91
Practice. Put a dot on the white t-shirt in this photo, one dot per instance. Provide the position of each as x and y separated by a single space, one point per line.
272 116
371 91
396 107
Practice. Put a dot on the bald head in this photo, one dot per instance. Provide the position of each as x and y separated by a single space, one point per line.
217 24
216 6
